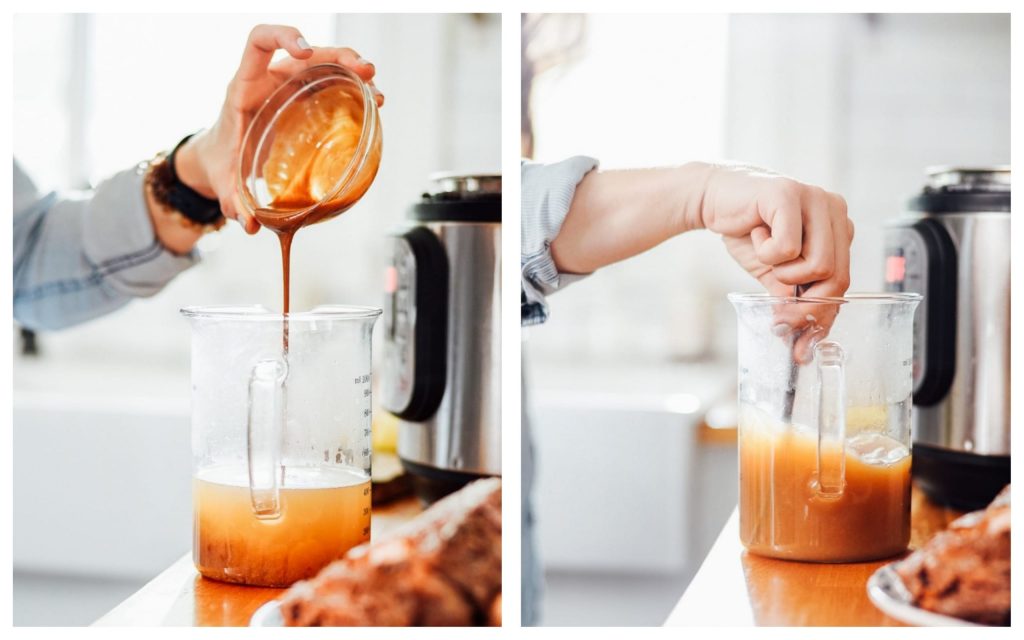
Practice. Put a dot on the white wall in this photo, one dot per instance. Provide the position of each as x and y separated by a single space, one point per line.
859 105
647 91
863 104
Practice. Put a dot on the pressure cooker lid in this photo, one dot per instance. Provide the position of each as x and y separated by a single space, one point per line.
460 197
964 190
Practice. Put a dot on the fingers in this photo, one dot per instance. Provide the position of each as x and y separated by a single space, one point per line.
795 323
263 41
842 231
803 324
337 55
824 269
786 226
233 209
758 236
816 259
810 322
245 220
347 58
812 326
825 233
804 243
832 275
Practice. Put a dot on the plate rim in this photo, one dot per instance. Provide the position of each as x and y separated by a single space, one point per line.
902 610
264 615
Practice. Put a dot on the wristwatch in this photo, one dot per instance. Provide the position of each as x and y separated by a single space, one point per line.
171 192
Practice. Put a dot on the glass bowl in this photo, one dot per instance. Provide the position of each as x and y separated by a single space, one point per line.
312 150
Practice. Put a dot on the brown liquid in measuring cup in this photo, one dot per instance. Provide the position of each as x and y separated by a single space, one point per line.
315 140
783 514
323 514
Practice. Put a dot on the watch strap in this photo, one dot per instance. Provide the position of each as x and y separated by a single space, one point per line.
182 198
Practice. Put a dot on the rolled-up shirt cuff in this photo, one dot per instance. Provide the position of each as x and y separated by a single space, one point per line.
120 242
547 193
540 279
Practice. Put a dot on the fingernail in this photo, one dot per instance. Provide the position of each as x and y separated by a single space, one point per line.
301 42
806 356
781 329
364 62
376 91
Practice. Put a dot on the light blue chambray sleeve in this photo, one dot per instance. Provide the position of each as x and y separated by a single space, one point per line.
547 192
84 254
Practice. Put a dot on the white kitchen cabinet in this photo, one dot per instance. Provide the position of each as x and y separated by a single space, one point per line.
615 464
102 485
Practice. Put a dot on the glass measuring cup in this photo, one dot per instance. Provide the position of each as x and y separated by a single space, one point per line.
825 387
280 443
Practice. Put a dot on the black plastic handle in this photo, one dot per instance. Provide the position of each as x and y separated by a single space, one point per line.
430 337
940 326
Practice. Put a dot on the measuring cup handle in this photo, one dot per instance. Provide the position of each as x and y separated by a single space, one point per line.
265 426
831 418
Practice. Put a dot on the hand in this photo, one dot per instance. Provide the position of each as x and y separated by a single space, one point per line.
783 232
787 235
208 162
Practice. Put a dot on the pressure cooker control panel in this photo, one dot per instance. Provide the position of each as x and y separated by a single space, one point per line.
415 326
920 257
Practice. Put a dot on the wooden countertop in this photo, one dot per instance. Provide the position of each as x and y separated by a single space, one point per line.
736 588
181 597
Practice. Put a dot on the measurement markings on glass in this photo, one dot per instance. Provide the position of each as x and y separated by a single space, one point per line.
367 411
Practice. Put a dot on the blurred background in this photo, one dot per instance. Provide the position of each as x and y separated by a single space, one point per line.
101 411
632 380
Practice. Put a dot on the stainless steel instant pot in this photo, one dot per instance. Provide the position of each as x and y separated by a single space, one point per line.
442 334
953 246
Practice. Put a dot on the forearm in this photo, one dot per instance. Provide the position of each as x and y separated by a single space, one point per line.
55 283
79 257
618 214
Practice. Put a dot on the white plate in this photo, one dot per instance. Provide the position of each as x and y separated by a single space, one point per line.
269 615
887 591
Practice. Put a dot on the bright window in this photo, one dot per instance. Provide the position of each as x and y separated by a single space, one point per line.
646 92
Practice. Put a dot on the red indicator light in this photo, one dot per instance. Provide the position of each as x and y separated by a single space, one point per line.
895 268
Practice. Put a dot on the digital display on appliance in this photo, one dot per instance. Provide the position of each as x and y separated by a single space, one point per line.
895 268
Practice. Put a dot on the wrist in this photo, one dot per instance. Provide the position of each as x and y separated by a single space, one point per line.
170 227
178 213
190 168
691 186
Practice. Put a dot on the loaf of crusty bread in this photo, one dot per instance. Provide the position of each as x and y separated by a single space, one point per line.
441 569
